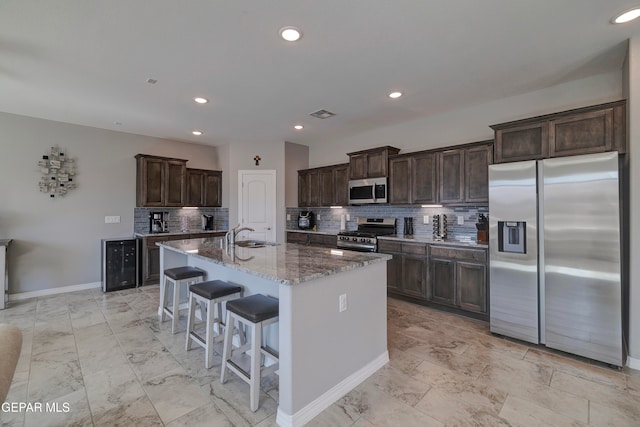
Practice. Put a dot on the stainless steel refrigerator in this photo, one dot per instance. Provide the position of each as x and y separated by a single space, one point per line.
555 254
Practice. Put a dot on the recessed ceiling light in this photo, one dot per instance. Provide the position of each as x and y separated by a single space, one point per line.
395 95
626 16
201 100
290 34
197 132
298 127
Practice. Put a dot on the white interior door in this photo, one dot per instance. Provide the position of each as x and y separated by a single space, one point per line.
257 203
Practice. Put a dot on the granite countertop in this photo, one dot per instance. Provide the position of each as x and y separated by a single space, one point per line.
431 241
178 233
5 242
331 232
287 263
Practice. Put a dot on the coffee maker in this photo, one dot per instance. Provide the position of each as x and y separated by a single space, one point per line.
158 222
207 222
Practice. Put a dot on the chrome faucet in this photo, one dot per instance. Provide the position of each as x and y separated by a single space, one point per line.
230 237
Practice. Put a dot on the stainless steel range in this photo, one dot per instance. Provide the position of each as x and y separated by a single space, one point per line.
365 238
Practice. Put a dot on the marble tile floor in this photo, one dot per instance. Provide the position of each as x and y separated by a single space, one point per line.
104 359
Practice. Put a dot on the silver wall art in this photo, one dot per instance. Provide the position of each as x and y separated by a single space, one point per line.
58 173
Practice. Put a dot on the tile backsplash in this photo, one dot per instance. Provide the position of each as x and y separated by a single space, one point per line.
220 218
330 218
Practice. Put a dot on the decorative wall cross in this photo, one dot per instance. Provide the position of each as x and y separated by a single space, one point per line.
257 160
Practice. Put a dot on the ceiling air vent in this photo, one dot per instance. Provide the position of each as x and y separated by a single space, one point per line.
322 114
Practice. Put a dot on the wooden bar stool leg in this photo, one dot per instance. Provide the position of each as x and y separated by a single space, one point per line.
256 345
226 349
176 306
190 320
209 349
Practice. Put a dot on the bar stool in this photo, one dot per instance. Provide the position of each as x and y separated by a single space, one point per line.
255 312
209 296
177 277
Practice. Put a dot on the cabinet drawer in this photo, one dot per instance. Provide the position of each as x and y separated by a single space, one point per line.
414 248
477 255
324 240
386 246
299 238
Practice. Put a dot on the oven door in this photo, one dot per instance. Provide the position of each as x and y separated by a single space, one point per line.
356 246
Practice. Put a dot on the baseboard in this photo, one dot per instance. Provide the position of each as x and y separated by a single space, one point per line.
307 413
53 291
633 363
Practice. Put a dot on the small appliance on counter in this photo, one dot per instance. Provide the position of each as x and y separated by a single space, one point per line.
306 220
158 222
408 226
119 264
207 222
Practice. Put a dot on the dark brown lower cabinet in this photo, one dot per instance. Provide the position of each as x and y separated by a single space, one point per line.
407 270
458 278
312 239
150 259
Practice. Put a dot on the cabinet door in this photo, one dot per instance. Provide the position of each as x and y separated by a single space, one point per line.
400 172
526 142
476 173
583 133
175 183
442 281
451 176
341 185
394 276
299 238
377 164
212 189
195 181
303 189
314 187
424 178
358 166
151 179
323 240
413 276
472 286
326 187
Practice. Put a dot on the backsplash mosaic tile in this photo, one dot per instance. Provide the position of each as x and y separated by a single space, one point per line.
330 218
192 217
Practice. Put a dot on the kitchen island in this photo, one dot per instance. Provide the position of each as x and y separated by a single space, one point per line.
326 348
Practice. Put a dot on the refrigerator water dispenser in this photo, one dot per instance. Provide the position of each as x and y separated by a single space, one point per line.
512 237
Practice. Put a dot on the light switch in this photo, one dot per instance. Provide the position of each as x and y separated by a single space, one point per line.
425 219
112 219
460 220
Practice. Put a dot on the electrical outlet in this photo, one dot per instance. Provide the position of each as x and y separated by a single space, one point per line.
112 219
425 219
348 217
460 220
318 217
288 217
342 302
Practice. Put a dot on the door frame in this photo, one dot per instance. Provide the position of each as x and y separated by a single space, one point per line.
268 172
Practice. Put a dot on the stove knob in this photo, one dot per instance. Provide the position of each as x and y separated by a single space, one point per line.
363 240
355 239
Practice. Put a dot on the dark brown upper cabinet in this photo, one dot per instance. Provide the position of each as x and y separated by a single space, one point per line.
324 186
412 178
451 176
373 163
160 181
476 173
204 188
593 129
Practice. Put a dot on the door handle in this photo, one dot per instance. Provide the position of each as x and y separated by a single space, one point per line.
268 228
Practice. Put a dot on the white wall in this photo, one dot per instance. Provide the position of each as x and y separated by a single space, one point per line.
472 123
296 157
632 85
57 241
240 157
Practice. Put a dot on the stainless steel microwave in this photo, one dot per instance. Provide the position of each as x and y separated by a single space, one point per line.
364 191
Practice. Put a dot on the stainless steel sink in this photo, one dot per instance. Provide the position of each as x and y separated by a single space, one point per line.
254 243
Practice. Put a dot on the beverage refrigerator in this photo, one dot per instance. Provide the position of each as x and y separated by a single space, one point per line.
119 264
556 254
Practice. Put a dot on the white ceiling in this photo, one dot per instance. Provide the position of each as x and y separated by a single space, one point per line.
87 61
